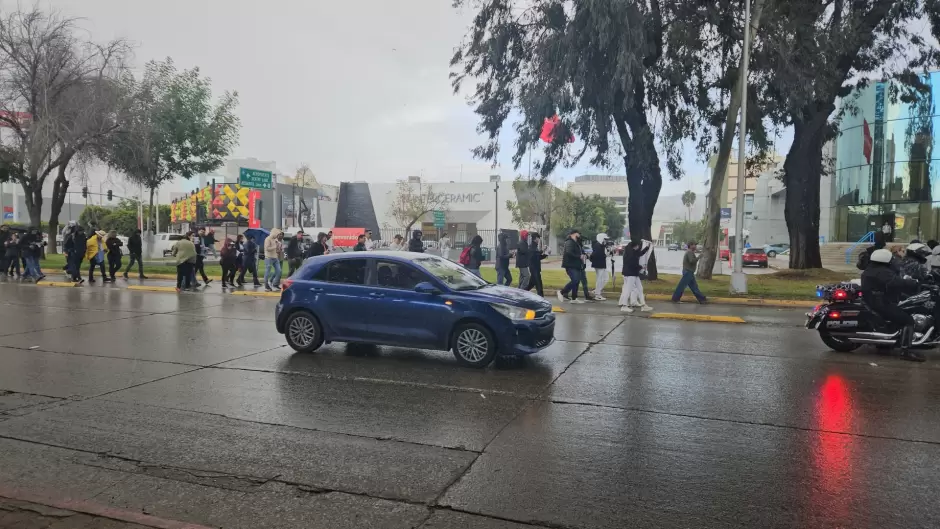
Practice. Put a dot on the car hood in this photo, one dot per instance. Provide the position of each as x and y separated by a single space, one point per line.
513 296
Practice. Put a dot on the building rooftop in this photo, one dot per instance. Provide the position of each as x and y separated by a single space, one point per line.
601 178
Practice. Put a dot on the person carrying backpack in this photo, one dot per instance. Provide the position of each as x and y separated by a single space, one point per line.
472 256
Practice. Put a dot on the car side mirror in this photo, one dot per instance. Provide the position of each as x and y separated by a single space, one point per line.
426 288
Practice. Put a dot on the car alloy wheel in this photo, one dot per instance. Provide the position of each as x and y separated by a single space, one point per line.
303 332
473 345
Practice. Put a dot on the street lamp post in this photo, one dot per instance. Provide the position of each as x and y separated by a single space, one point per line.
495 179
738 278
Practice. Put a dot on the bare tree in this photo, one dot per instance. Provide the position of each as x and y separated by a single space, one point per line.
538 200
413 201
57 95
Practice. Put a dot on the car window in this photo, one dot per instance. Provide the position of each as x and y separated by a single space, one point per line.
346 271
450 273
174 237
391 274
754 250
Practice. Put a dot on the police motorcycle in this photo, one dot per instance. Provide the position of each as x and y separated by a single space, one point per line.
845 322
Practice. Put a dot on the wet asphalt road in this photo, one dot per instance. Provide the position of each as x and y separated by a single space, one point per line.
191 408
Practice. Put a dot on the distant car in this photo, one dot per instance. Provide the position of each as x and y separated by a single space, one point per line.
163 243
673 247
755 257
410 300
724 255
773 249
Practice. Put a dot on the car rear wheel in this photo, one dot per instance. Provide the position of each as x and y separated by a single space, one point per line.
771 254
473 345
303 332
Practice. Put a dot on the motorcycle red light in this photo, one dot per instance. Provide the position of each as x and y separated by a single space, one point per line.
834 315
839 294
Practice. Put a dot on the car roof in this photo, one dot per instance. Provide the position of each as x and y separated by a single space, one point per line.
385 254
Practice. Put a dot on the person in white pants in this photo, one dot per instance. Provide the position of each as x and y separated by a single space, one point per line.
635 257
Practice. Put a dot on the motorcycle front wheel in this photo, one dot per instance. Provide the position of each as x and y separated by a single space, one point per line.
838 344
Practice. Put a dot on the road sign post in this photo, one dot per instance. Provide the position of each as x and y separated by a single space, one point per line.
255 178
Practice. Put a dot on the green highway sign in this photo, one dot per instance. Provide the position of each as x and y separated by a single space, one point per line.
439 219
255 178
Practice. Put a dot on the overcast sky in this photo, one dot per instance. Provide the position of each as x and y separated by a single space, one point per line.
358 89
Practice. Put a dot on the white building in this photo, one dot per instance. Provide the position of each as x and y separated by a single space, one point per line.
613 187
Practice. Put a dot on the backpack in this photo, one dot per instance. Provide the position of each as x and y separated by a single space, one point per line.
465 256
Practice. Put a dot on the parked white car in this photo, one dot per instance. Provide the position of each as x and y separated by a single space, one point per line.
163 243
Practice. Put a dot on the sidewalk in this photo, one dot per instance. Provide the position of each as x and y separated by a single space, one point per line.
20 510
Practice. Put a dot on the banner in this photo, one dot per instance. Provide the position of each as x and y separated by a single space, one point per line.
346 237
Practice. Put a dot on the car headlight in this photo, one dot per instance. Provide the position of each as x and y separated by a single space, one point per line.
514 313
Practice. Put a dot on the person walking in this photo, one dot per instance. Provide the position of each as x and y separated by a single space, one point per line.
536 254
228 260
397 244
95 252
329 241
250 263
318 247
445 247
240 256
370 244
689 262
114 245
31 251
415 244
185 253
199 269
503 274
295 253
472 256
5 235
273 254
522 260
135 249
599 258
632 294
79 248
12 255
361 244
208 242
67 245
572 260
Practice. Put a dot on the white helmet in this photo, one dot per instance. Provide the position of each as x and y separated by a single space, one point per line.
601 237
881 256
919 249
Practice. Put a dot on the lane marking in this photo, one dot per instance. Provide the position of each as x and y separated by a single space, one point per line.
696 317
63 284
556 308
151 289
256 294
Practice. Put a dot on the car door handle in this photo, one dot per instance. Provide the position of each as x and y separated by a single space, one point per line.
376 295
316 289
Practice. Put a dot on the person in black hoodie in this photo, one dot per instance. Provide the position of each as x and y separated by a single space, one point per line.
535 264
5 235
251 262
632 287
318 247
114 253
415 244
599 257
475 255
572 260
522 260
295 253
228 260
12 255
503 274
79 245
135 248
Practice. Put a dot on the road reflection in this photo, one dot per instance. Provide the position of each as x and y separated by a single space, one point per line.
833 453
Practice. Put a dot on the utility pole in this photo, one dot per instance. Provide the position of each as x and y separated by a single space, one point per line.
738 278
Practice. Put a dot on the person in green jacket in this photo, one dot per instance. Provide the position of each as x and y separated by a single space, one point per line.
185 252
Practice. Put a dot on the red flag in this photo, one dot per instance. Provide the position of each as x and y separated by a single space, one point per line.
867 141
548 130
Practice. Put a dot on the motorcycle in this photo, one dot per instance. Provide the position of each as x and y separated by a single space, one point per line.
845 322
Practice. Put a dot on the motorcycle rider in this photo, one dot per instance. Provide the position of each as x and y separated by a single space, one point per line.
881 289
914 263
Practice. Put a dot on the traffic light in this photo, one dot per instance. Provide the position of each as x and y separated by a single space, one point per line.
109 194
85 192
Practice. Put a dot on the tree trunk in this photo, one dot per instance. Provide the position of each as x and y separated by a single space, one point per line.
802 171
33 199
714 200
60 188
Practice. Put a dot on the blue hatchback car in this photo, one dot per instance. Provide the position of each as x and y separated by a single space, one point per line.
410 300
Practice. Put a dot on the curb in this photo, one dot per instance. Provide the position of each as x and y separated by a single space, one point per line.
695 317
753 302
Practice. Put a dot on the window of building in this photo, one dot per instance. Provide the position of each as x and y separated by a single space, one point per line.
347 271
748 206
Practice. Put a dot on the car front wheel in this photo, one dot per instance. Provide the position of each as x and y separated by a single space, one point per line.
771 254
474 345
303 332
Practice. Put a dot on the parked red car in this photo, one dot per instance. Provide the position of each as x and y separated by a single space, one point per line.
724 255
755 257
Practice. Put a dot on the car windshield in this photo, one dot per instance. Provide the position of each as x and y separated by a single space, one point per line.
755 251
454 275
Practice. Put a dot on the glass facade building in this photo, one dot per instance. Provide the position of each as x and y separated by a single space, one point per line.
884 168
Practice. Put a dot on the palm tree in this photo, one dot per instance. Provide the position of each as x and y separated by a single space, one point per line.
688 200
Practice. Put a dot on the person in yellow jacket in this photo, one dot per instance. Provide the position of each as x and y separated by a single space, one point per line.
95 251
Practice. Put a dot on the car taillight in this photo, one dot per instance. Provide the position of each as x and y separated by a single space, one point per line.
286 284
834 315
839 294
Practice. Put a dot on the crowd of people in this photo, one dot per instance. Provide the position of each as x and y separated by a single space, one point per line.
21 248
